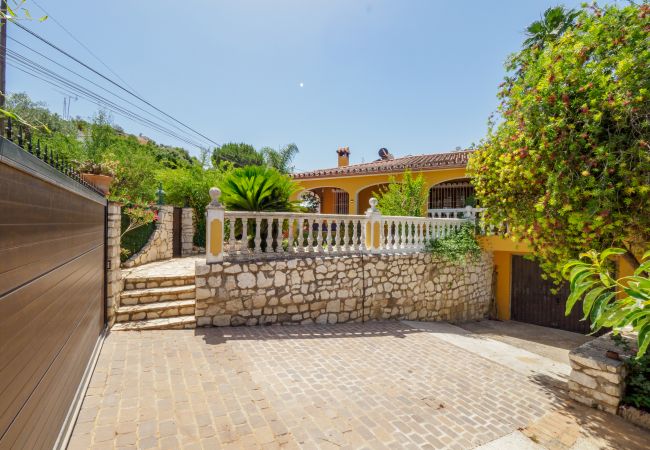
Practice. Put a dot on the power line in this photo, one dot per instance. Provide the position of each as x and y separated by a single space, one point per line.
42 39
180 130
29 67
69 33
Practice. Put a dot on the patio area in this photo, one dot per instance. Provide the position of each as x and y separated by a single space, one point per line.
374 385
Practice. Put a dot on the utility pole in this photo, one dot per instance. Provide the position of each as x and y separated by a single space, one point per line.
3 53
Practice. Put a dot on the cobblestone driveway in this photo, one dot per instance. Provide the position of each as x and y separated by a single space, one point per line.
376 385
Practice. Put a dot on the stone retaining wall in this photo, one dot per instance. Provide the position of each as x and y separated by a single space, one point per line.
160 245
342 289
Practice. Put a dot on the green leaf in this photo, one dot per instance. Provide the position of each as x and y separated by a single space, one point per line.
637 294
600 306
611 251
643 340
590 299
606 280
576 294
643 267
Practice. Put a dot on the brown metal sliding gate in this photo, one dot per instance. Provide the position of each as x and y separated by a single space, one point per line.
533 302
52 244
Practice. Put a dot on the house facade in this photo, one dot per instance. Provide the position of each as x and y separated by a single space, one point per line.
346 189
520 291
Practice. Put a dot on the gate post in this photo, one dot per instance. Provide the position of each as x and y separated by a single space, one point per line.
187 231
214 228
113 272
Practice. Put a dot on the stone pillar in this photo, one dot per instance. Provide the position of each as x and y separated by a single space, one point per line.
214 228
596 379
113 272
373 228
166 243
187 231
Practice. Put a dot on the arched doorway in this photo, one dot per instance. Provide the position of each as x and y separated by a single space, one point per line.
365 194
452 194
332 200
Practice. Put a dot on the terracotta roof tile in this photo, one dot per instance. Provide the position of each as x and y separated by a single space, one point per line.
415 163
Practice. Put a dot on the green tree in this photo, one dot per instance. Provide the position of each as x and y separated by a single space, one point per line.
190 186
407 197
550 27
257 188
37 114
135 176
568 165
239 154
280 159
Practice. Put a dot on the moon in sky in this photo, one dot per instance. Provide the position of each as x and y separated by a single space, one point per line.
301 84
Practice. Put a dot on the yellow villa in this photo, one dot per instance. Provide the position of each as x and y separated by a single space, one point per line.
346 189
520 292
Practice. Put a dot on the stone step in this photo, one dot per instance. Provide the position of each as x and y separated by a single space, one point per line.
148 282
161 294
168 323
155 310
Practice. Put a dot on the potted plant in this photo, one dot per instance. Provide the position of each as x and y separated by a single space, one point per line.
100 174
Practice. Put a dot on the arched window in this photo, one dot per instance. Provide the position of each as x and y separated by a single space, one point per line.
451 194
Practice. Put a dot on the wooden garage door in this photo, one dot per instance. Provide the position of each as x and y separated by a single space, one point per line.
533 302
52 234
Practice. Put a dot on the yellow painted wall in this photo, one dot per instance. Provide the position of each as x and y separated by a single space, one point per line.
501 244
364 196
502 250
353 184
503 268
328 202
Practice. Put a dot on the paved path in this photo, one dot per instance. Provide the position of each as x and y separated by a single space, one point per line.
549 343
170 267
375 385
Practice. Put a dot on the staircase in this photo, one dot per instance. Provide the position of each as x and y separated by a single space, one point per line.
156 303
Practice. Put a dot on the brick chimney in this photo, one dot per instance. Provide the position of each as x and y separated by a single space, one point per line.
344 156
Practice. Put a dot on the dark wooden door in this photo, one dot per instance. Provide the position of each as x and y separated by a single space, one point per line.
533 302
177 232
52 291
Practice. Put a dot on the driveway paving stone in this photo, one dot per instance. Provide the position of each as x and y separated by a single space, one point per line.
378 385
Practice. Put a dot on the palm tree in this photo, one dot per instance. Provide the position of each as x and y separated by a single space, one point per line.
280 159
258 188
550 27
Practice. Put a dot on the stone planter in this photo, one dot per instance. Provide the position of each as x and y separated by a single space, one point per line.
101 182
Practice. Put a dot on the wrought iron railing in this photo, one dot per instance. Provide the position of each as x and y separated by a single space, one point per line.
22 137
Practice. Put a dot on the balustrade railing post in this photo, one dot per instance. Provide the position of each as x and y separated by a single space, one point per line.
214 228
372 228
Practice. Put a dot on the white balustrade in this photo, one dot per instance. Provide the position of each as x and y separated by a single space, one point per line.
253 235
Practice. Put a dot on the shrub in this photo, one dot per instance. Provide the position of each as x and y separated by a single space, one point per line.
637 383
611 302
567 166
407 197
459 245
258 188
190 186
138 223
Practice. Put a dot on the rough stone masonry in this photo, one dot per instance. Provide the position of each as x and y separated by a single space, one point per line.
340 289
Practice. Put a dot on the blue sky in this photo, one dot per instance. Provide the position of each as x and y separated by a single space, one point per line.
414 76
